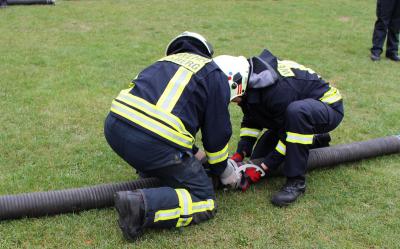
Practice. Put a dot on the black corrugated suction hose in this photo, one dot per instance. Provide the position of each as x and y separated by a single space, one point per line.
345 153
100 196
24 2
65 201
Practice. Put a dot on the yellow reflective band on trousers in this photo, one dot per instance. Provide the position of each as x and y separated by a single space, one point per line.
184 213
174 89
249 132
203 206
191 62
168 214
281 147
298 138
152 125
185 203
219 156
331 96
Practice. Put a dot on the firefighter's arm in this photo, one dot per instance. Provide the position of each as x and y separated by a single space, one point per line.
216 127
249 133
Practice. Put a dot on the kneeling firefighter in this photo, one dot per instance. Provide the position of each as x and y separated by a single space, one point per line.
152 125
295 106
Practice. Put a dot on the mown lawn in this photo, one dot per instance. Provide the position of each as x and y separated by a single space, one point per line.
60 67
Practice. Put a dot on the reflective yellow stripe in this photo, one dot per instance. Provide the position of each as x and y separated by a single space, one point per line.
186 208
174 89
168 214
153 111
281 147
249 132
219 156
285 68
203 206
331 96
185 204
152 125
299 138
192 62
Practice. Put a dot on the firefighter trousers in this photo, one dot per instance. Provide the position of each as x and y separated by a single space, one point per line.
187 196
291 144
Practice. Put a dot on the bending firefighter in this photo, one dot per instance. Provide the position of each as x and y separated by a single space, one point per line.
152 126
295 106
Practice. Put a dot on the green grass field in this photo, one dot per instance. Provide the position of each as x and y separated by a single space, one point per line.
60 67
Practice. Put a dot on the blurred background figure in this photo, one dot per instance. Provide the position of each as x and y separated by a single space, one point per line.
387 24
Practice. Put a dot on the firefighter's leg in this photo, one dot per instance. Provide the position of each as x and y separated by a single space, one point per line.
303 119
392 41
188 196
188 199
383 13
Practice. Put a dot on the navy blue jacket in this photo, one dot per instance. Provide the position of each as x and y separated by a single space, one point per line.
201 105
265 107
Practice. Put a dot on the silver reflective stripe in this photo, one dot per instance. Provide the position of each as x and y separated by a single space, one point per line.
249 132
165 215
299 138
216 158
281 148
204 206
150 124
331 96
219 156
174 89
151 110
185 202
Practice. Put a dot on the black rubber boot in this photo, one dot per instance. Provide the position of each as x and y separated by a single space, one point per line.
288 194
375 57
393 57
130 207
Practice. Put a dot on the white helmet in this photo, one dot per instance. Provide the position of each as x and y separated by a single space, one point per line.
194 36
236 68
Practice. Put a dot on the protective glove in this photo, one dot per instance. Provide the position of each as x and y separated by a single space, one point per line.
251 173
231 176
237 157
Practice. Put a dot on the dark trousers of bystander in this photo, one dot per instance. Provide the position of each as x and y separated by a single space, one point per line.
387 26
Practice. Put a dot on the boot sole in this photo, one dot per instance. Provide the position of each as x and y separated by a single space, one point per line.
281 204
285 204
122 206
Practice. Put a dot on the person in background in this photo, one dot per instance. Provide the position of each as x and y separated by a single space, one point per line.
3 3
387 26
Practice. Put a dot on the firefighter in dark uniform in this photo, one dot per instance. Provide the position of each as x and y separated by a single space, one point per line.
387 26
293 104
152 125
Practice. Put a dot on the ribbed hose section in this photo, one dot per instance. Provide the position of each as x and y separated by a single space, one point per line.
65 201
24 2
330 156
78 199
